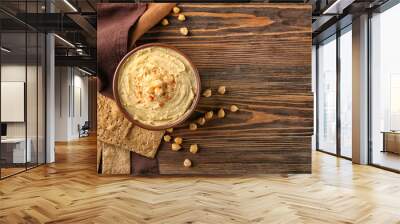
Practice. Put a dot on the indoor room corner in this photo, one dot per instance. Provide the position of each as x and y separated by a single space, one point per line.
357 81
75 102
235 111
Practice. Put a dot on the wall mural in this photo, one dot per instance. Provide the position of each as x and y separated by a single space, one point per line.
204 89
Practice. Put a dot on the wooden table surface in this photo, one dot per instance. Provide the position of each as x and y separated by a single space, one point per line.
262 53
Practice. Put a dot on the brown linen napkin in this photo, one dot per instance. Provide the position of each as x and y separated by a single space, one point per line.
117 33
114 20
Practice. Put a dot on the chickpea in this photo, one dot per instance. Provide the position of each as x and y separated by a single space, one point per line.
221 113
176 9
209 115
192 126
234 108
184 31
187 163
167 138
201 121
165 22
207 93
175 147
181 17
178 140
194 148
222 90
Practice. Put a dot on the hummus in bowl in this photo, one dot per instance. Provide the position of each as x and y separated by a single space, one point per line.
156 86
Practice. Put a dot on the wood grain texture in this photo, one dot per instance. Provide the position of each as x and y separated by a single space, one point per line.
262 54
70 191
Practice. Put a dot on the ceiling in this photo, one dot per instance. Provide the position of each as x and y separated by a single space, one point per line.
72 20
16 42
75 21
330 16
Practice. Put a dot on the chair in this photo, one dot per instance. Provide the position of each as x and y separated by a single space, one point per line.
84 130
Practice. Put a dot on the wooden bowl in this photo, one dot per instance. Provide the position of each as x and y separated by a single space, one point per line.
185 116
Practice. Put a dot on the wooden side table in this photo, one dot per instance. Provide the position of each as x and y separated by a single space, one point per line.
391 141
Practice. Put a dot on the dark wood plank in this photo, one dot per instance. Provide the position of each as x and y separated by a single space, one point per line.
262 54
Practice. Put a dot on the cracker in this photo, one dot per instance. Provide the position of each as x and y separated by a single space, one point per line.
145 142
111 123
114 128
114 160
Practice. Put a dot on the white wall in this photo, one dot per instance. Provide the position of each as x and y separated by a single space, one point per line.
33 127
13 73
10 73
71 102
80 110
61 103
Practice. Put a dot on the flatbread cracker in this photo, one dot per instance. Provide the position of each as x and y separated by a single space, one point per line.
113 128
114 160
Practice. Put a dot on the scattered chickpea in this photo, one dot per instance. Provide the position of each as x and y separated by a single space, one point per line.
207 93
176 147
178 140
201 121
192 126
165 22
176 9
167 138
184 31
221 113
181 17
234 108
209 115
170 130
194 148
187 163
222 90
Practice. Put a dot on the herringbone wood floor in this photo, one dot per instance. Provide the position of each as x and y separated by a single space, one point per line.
70 191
